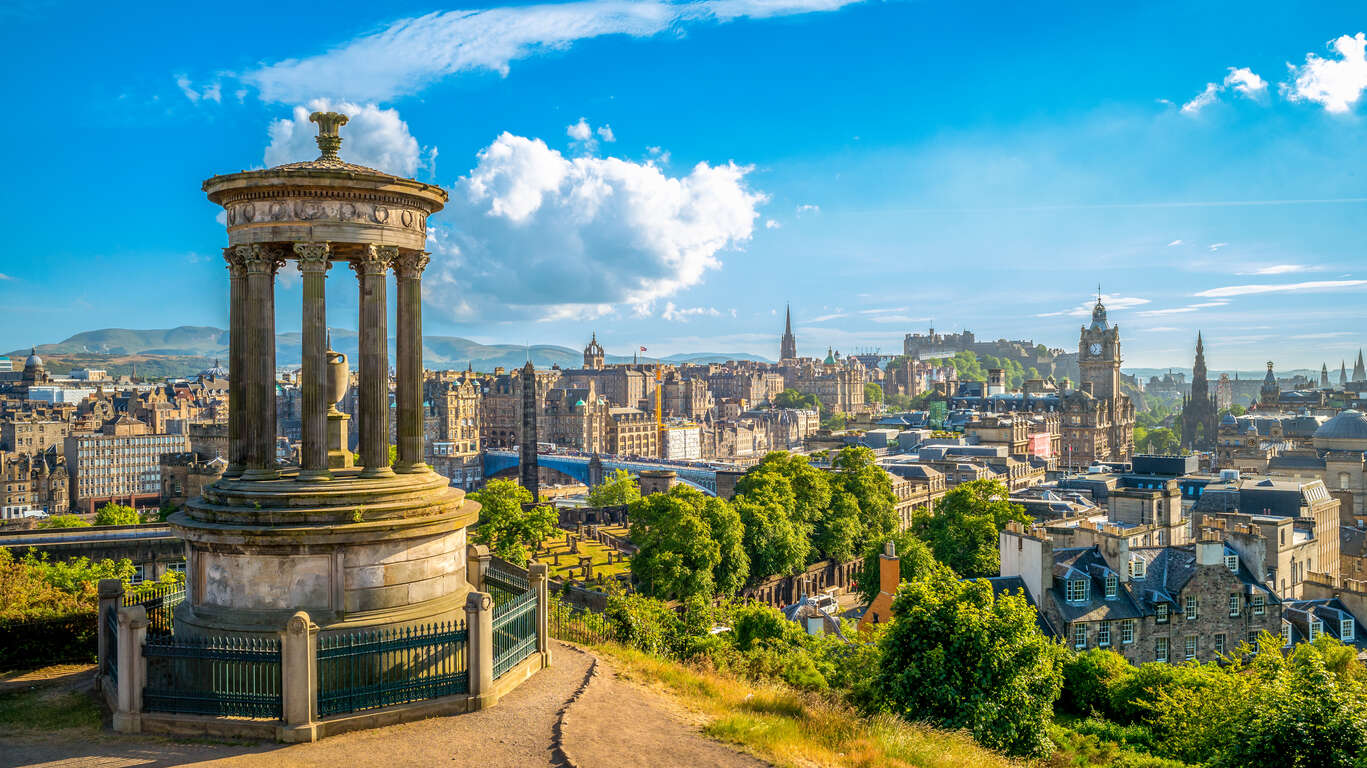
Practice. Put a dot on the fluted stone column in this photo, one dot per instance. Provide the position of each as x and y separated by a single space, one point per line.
313 457
237 373
373 398
262 261
408 269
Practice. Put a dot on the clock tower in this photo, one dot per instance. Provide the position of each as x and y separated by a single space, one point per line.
1098 355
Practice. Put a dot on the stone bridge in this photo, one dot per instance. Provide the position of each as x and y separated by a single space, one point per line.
702 478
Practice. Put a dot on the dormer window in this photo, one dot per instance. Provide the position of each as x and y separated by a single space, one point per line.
1137 568
1112 586
1232 563
1077 591
1347 630
1286 633
1316 629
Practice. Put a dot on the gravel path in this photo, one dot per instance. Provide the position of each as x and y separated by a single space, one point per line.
576 714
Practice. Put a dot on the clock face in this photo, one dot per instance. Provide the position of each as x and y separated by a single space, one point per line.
1095 348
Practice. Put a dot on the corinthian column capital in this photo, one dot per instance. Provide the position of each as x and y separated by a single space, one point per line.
374 259
262 259
411 263
237 264
313 257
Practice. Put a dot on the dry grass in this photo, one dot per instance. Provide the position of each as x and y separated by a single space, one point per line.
791 729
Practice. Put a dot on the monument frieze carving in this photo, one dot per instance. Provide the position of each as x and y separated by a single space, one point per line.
313 210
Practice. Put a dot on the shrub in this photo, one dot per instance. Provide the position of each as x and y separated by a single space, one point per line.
1088 678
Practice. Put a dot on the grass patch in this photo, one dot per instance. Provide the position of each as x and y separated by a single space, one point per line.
48 709
796 730
569 562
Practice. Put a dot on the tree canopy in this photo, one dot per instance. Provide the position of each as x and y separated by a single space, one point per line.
690 545
964 529
507 525
617 489
791 398
116 514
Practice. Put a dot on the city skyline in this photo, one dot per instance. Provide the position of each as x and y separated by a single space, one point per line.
670 174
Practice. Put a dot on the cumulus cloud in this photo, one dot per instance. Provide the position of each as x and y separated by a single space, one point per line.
1242 80
771 224
580 131
605 133
1336 84
682 314
211 92
373 137
1111 301
531 233
585 137
1247 290
409 54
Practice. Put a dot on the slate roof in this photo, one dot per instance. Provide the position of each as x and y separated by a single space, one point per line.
1087 562
1351 540
1330 611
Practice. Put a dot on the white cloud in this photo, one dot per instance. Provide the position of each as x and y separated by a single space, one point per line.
836 315
532 233
1242 79
372 137
771 224
605 133
1112 302
808 208
211 92
409 54
1174 242
903 319
682 314
1247 290
580 131
4 276
1282 269
1213 247
1336 84
1181 310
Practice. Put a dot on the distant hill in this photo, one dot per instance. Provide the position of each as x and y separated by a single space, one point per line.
186 350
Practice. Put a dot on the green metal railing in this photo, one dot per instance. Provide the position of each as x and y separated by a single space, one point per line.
514 631
160 602
365 670
504 583
219 676
109 625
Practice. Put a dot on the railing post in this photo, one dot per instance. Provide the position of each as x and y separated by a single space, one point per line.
536 575
111 594
479 621
477 559
132 669
299 680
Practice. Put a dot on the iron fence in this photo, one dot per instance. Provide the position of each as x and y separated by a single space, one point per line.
160 602
218 676
579 626
109 625
514 630
366 670
504 583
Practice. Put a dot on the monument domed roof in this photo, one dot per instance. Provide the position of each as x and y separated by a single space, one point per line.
33 360
1348 425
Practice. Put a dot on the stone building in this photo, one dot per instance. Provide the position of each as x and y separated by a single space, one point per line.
33 483
28 433
787 346
1097 419
454 447
185 475
632 432
576 418
121 464
1165 604
1200 424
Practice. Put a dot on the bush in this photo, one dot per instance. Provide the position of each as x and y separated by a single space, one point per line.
71 639
1088 678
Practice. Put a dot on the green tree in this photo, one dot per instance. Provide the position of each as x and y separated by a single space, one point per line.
690 545
508 523
64 521
963 657
117 514
872 392
791 398
965 528
837 534
775 543
618 489
856 472
1162 440
914 561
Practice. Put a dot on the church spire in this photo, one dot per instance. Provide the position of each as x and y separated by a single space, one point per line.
787 348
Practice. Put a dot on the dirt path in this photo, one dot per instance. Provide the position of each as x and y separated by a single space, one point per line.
618 724
605 721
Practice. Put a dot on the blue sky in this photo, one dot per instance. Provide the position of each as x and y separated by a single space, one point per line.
670 174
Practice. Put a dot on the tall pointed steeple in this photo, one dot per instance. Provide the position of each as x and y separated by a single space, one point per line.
787 348
1359 371
1324 376
1343 373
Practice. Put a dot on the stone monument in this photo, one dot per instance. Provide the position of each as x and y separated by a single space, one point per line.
373 546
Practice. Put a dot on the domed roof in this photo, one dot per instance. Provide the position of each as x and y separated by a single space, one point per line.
1348 425
216 372
1228 420
33 360
1099 316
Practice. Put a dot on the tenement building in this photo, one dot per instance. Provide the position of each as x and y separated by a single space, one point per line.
120 464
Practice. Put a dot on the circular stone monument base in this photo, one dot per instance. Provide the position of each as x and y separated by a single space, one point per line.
355 553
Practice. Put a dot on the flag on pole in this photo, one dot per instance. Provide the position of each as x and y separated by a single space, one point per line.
643 349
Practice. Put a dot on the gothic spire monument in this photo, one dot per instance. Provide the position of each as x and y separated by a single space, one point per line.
787 348
1200 422
527 469
375 546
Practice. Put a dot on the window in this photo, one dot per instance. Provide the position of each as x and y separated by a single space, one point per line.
1160 649
1127 631
1233 606
1191 609
1191 647
1160 613
1077 590
1220 642
1080 635
1103 635
1316 629
1347 630
1232 563
1112 586
1137 568
1259 605
1286 633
